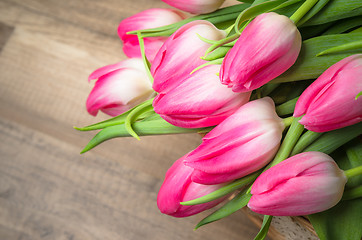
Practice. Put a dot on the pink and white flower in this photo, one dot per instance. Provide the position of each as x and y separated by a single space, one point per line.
267 47
119 87
242 144
330 101
178 187
181 53
304 184
200 100
150 18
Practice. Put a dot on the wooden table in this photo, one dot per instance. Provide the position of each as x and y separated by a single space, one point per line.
47 189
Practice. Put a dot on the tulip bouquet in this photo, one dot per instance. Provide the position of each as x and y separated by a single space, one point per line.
273 86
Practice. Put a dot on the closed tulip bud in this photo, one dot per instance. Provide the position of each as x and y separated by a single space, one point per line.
199 101
267 47
181 53
150 18
330 101
243 143
304 184
119 87
195 6
178 187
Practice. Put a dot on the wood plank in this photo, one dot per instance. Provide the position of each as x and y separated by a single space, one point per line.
48 191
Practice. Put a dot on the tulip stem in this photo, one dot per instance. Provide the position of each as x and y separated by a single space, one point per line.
305 140
293 134
353 172
352 193
302 10
288 121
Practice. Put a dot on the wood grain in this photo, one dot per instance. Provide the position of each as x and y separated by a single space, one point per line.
47 189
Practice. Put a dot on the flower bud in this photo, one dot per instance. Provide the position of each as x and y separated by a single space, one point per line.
199 101
306 183
195 6
181 53
119 87
178 187
243 143
330 101
267 47
150 18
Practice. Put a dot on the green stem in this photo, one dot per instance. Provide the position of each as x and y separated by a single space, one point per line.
288 121
352 193
289 142
287 107
302 10
305 140
353 172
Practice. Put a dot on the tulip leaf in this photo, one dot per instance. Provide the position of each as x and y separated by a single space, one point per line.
343 221
287 107
342 48
309 66
264 228
238 202
118 120
344 25
312 12
225 190
332 140
260 8
304 141
137 111
141 128
335 10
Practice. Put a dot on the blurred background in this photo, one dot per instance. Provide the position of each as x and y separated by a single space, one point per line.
47 189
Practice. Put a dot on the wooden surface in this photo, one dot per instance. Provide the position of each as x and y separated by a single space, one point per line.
47 189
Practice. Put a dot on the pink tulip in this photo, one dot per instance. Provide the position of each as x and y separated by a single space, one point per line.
178 187
181 53
243 143
306 183
267 47
199 101
330 101
195 6
151 18
119 87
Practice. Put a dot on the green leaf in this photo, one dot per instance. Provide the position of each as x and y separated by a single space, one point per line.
344 25
225 190
264 228
141 128
335 10
238 202
340 222
308 65
332 140
342 48
118 120
312 12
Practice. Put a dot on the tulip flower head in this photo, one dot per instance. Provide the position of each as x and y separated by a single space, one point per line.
178 187
150 18
267 47
306 183
199 101
243 143
181 53
119 87
195 6
330 101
